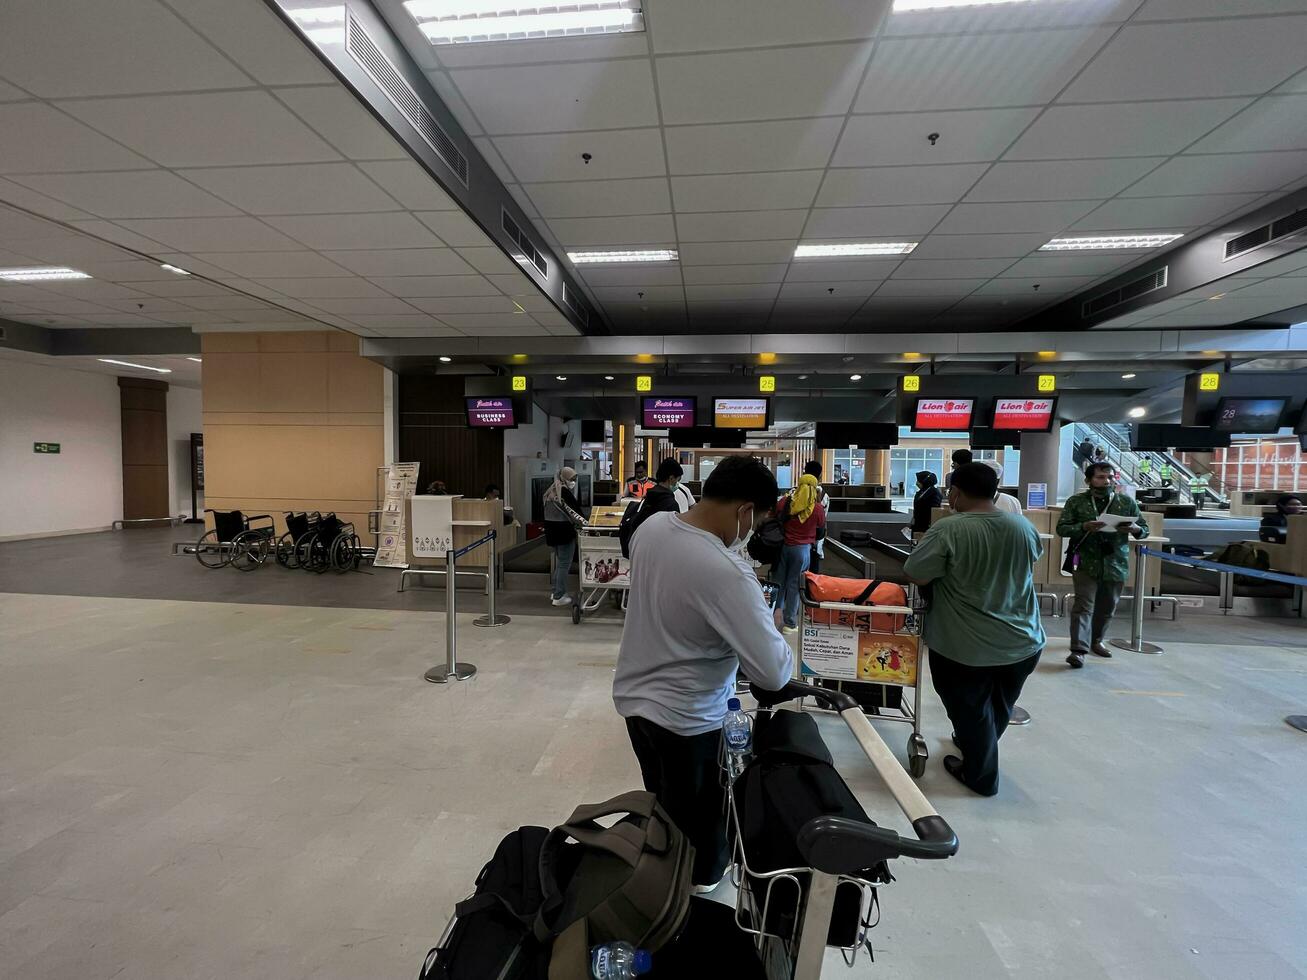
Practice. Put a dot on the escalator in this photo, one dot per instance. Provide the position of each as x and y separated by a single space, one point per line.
1114 440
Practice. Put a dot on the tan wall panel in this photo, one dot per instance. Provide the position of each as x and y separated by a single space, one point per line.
293 418
353 383
295 341
353 455
229 382
292 383
229 343
339 340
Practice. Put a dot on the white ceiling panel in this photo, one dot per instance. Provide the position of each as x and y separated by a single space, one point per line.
599 198
746 192
788 144
418 286
109 231
1193 59
976 71
630 294
454 228
410 185
940 288
731 291
691 25
723 274
1162 213
30 200
1050 216
14 226
213 128
211 234
306 188
740 225
841 270
737 86
395 229
632 274
53 143
979 246
444 306
642 229
560 97
882 222
489 261
1226 173
829 292
497 324
256 39
130 194
388 306
557 156
1186 9
71 251
1009 17
1296 84
11 93
139 270
737 253
417 324
1277 122
337 116
914 268
973 136
107 49
1093 264
324 286
1061 180
183 288
259 265
898 185
594 47
400 262
1067 132
224 302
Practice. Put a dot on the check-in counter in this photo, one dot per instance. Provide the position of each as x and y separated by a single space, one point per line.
1290 557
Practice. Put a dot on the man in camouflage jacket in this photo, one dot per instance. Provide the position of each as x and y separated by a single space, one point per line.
1102 558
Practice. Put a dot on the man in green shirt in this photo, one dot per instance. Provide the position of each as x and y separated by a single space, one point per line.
1102 555
982 626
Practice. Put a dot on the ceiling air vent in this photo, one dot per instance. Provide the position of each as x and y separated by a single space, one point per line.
575 304
528 256
1124 294
1271 232
369 57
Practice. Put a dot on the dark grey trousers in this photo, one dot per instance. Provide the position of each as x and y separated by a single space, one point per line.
1095 602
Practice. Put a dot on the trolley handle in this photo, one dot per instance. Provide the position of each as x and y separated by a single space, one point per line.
850 607
828 698
840 846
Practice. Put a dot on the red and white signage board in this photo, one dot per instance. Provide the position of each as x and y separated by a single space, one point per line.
1023 414
944 414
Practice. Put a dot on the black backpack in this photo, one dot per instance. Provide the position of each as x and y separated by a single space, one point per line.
790 780
768 541
492 935
631 519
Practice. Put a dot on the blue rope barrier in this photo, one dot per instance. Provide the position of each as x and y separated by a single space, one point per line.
474 545
1215 566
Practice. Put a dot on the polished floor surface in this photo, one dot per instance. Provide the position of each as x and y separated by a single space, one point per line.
230 790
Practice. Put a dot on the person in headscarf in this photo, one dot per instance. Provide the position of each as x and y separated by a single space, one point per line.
802 515
562 518
927 499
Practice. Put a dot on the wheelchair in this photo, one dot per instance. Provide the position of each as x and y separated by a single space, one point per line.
300 529
332 545
236 539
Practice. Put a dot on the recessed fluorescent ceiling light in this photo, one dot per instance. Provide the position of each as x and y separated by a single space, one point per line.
41 275
445 359
854 248
173 268
906 6
637 255
141 367
470 21
1108 241
1127 377
197 360
321 25
1137 413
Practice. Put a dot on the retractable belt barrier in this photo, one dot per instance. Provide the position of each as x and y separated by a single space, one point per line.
452 669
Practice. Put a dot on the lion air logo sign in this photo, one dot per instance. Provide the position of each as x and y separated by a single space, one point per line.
1023 414
943 414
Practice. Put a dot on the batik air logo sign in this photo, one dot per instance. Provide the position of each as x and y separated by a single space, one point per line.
1023 414
668 413
493 413
944 414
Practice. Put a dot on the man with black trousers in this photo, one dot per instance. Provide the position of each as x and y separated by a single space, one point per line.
695 616
982 625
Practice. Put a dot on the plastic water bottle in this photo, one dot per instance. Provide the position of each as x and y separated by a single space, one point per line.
619 961
737 733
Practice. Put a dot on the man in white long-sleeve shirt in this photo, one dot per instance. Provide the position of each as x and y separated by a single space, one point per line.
695 614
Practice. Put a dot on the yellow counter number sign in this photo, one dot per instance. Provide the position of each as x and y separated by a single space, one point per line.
519 382
766 382
644 382
1209 382
1048 382
911 383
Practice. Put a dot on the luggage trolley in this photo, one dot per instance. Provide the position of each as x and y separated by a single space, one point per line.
839 853
841 649
604 571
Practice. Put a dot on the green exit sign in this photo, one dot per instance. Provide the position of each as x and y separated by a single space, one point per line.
45 447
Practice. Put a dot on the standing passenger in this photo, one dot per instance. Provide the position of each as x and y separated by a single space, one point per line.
802 516
983 628
562 518
927 499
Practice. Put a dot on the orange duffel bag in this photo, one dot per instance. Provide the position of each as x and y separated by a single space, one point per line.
854 592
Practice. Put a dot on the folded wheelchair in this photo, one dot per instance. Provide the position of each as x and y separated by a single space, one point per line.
237 539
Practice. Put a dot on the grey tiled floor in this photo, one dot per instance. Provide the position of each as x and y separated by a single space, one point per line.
224 790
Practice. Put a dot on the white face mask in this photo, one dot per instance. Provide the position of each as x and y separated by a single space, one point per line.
571 486
741 540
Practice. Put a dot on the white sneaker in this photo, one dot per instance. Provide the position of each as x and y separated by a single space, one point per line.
789 629
564 601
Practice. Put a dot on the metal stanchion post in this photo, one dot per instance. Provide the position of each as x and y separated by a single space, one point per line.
490 618
1136 643
451 669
